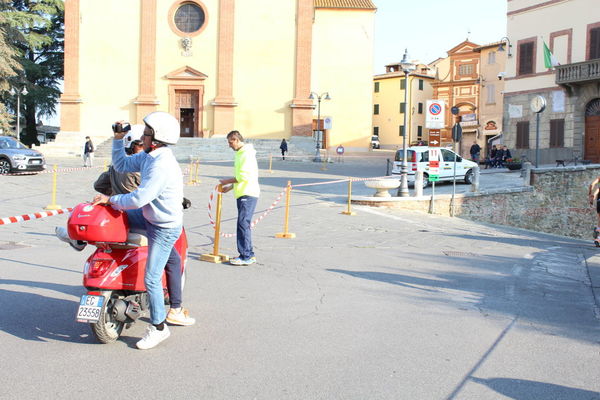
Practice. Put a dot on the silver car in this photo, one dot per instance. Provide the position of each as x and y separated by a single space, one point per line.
16 157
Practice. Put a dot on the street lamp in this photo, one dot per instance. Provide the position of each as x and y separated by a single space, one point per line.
323 96
407 67
18 93
501 45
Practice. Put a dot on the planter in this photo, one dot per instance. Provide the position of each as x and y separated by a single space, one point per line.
514 166
382 186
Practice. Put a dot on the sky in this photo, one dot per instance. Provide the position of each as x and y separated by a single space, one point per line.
428 29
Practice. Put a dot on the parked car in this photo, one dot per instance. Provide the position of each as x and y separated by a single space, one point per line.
418 160
16 157
374 142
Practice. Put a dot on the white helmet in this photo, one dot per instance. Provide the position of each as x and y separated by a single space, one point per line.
164 125
135 134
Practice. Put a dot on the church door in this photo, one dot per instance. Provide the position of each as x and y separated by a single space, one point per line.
592 131
186 102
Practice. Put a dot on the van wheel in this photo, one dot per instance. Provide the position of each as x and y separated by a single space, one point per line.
469 177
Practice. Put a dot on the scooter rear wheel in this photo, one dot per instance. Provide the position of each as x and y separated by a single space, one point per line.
107 329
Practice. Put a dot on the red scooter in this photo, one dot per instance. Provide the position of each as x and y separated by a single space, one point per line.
114 274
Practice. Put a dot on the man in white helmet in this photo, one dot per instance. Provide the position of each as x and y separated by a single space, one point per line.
155 207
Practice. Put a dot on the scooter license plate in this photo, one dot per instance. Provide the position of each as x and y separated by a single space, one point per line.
90 308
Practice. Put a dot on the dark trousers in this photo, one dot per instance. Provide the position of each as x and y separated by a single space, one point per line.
173 272
246 206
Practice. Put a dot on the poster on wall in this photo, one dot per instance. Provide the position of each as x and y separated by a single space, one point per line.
515 111
558 101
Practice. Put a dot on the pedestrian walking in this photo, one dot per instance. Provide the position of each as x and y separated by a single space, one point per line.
88 152
475 150
246 191
154 207
284 148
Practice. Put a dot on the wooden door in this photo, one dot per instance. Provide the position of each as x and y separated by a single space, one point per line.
592 138
187 106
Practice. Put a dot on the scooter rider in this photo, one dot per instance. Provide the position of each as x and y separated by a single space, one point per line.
155 206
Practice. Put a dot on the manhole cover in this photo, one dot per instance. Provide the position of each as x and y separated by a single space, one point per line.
459 254
12 245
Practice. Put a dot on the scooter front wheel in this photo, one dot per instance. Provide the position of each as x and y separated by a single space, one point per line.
107 329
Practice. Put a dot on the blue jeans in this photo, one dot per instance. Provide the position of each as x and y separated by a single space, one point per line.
160 246
245 206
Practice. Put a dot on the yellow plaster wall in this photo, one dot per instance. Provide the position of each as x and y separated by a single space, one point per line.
342 61
264 69
109 63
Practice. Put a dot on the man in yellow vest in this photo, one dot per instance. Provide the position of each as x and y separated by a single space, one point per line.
246 191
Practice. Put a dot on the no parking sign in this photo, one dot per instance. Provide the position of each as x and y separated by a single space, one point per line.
436 112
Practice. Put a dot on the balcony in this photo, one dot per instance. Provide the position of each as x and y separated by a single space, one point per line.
570 75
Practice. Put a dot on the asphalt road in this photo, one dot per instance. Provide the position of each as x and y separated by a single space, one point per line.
386 304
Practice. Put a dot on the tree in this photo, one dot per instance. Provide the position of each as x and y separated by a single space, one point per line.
35 30
9 68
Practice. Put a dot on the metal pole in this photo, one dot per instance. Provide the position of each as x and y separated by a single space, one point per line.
285 234
453 183
18 135
537 139
403 191
318 151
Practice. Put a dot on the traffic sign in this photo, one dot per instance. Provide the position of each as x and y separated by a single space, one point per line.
456 132
435 117
433 178
434 138
434 161
454 110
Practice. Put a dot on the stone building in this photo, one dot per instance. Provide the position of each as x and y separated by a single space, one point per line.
389 105
219 65
569 127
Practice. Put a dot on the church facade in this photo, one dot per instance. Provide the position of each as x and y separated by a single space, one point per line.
220 65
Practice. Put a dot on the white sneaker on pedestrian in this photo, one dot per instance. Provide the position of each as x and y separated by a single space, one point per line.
62 234
153 337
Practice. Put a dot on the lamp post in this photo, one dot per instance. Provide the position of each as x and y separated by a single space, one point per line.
407 67
501 45
18 93
323 96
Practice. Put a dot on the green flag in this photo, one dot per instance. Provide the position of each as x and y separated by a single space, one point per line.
549 60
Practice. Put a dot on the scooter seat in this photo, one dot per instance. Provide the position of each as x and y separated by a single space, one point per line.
133 240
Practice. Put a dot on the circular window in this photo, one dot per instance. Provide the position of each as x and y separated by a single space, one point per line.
188 18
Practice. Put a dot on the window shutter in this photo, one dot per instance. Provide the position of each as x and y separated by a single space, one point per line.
594 43
523 135
557 132
526 58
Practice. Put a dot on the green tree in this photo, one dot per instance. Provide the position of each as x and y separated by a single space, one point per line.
9 68
35 29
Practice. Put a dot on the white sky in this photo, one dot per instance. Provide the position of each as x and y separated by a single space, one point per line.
428 29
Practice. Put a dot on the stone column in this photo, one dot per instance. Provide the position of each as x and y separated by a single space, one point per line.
146 101
70 101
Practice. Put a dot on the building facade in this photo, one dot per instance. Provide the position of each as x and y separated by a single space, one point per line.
220 65
569 126
389 105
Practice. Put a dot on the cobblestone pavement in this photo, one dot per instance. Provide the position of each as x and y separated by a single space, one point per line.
386 304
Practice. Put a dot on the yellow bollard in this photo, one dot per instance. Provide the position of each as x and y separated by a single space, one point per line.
196 170
270 163
53 205
105 166
348 210
324 166
190 172
285 234
215 257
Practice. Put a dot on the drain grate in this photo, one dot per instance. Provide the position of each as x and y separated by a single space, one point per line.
459 254
12 245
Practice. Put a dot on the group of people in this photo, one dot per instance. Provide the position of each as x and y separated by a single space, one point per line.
146 182
496 158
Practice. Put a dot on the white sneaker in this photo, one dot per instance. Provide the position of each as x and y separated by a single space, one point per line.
153 337
62 234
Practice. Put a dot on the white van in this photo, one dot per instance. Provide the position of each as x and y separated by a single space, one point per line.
418 159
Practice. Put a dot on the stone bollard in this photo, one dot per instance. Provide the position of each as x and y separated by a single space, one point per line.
526 173
419 184
475 183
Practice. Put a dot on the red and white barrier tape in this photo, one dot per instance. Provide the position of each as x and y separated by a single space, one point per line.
27 217
50 171
212 198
